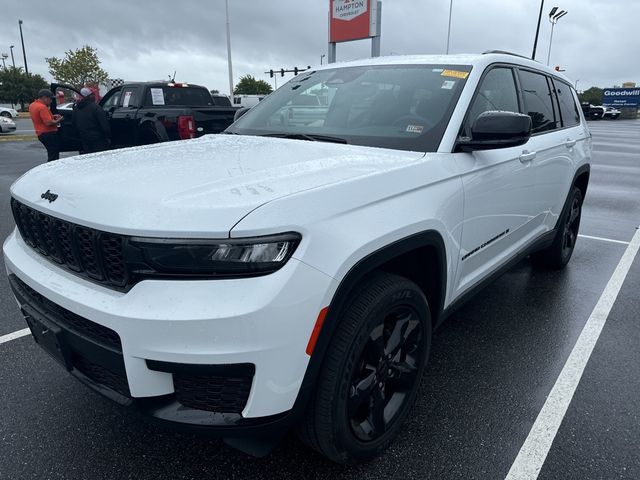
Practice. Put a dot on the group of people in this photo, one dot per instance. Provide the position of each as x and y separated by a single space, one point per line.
89 121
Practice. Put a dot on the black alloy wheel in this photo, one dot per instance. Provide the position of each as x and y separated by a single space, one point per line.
386 373
559 253
571 226
371 371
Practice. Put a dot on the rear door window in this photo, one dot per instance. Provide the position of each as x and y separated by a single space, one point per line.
538 101
178 96
568 108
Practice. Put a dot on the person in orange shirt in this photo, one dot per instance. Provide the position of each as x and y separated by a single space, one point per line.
46 124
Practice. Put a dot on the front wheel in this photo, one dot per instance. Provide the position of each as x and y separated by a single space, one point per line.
372 371
559 253
5 114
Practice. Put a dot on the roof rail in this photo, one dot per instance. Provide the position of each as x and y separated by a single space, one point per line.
504 52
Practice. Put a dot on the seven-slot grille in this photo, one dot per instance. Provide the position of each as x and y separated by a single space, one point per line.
85 251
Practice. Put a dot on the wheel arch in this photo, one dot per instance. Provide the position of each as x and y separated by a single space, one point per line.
399 258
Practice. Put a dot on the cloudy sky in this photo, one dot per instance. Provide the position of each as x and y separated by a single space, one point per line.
597 42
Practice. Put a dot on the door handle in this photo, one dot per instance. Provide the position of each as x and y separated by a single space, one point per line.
527 156
570 143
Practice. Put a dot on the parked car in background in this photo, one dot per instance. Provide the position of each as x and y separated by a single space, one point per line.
7 125
611 112
592 112
247 101
152 112
8 112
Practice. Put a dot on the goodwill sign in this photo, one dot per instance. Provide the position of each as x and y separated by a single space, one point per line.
621 97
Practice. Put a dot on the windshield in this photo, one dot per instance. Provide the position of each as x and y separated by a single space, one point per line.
405 107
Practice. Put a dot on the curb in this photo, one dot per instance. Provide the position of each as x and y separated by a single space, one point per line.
17 138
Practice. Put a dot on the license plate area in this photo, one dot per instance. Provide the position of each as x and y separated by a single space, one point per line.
48 335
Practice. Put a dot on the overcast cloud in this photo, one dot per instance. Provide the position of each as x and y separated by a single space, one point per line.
597 42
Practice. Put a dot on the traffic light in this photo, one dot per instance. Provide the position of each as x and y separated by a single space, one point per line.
295 70
282 72
271 73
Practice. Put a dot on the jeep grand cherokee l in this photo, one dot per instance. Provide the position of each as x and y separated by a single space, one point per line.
291 273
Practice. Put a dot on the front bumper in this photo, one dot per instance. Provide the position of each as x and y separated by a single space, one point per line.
191 328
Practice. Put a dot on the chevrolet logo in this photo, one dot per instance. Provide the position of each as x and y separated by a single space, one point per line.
49 196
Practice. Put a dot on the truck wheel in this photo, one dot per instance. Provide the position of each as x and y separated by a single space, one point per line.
371 372
559 253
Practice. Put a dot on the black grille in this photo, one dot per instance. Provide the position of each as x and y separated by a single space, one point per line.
114 380
213 393
88 252
81 326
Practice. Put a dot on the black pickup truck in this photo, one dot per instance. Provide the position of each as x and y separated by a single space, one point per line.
152 112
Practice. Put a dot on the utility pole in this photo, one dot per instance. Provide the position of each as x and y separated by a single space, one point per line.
13 60
449 29
24 53
4 57
226 5
535 42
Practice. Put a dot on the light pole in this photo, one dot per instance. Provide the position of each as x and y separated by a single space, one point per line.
576 86
554 16
226 6
449 29
321 57
24 53
535 42
13 60
4 57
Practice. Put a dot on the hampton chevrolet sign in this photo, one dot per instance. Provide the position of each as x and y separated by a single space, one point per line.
621 97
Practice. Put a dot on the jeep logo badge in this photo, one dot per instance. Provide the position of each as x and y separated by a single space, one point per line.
49 196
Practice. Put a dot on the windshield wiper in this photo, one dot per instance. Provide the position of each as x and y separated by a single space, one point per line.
305 136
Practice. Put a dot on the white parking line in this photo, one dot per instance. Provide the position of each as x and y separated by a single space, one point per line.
602 239
12 336
533 453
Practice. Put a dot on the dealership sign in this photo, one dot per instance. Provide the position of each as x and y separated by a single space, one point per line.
621 97
352 20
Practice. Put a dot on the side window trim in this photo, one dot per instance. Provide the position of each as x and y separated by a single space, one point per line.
555 103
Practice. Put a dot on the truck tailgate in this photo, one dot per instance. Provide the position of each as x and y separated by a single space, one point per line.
212 119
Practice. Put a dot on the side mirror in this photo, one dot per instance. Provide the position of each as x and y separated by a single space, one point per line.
496 129
240 112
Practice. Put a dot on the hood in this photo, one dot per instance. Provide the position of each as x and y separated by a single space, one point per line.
194 188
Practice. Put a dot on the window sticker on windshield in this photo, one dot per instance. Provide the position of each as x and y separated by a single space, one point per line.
127 98
414 129
448 84
455 74
157 96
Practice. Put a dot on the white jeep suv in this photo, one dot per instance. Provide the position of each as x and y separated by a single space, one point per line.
290 272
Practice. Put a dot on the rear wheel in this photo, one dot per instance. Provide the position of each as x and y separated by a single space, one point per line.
559 253
5 114
372 371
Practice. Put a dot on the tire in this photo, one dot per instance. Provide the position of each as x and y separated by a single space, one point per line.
371 372
5 114
559 253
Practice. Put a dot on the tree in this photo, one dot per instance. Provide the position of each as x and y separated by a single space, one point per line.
18 87
78 68
214 92
248 85
592 95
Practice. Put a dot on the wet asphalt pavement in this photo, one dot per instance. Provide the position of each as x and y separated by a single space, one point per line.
492 366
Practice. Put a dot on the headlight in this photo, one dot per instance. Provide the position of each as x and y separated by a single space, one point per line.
228 257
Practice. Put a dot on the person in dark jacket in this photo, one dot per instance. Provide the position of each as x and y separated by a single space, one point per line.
91 123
